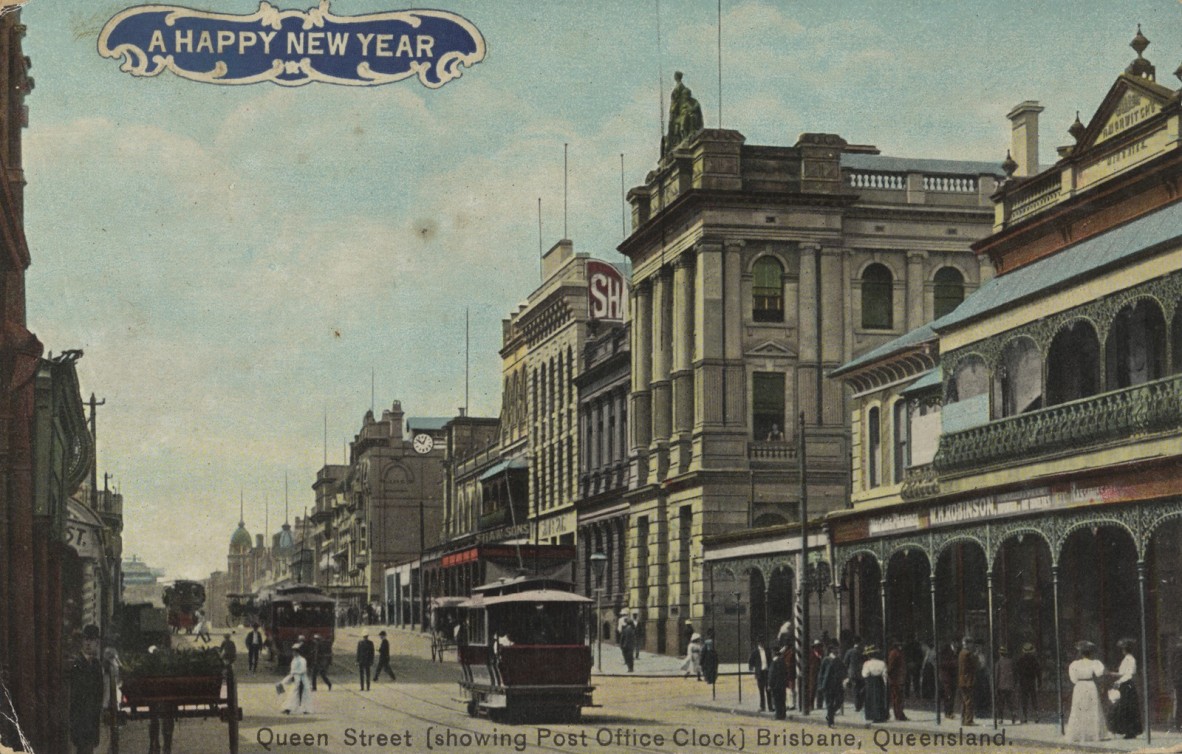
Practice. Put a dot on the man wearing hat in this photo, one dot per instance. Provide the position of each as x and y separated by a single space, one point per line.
777 681
364 660
1003 682
1028 674
896 678
966 676
383 658
86 692
830 682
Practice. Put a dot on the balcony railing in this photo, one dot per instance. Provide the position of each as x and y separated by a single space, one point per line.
771 451
1039 193
920 482
1146 409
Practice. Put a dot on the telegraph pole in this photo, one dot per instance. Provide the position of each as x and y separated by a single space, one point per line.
805 657
94 404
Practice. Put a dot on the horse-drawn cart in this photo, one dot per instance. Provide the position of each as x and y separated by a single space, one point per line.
198 693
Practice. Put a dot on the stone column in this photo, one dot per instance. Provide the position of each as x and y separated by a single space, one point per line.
736 374
683 349
642 352
662 404
833 335
916 286
707 312
807 304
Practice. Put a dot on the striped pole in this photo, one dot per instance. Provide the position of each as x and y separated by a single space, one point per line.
798 633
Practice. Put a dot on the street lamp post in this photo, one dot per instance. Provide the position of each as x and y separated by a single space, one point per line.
598 562
739 642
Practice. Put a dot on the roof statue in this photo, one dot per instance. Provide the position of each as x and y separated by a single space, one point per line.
685 116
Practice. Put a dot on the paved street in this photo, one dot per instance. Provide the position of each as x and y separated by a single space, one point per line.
651 712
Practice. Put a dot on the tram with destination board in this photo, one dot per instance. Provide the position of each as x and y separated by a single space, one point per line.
290 612
522 650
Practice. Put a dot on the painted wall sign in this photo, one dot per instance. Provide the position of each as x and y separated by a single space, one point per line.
607 291
293 47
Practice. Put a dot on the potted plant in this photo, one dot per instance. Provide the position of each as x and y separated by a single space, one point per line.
192 676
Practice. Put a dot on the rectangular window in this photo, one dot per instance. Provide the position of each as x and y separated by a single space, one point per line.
901 424
873 446
767 406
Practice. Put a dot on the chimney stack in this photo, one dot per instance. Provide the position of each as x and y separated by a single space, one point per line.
1024 138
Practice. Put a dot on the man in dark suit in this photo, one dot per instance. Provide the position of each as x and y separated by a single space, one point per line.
383 658
896 678
364 660
758 663
966 672
777 681
829 681
627 641
853 659
319 661
254 645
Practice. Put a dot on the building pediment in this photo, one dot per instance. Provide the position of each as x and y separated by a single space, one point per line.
771 349
1131 101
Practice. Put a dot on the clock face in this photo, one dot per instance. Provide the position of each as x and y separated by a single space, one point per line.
423 443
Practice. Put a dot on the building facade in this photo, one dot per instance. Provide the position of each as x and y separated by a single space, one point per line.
757 269
1017 463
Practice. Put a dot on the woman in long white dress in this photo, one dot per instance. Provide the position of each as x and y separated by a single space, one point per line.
693 657
299 695
1086 722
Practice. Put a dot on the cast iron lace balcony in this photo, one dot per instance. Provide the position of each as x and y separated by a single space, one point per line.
1147 409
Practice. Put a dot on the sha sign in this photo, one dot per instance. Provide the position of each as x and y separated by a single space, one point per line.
607 291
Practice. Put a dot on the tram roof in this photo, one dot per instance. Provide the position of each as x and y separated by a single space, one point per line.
537 596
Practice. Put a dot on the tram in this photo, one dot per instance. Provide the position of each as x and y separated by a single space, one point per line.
184 599
290 612
522 650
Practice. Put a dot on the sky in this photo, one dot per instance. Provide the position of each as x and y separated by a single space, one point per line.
239 263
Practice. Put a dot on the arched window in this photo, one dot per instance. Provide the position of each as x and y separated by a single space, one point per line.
877 298
949 290
873 447
1019 379
767 291
1136 347
1073 363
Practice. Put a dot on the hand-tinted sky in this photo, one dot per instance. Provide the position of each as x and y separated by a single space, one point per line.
236 260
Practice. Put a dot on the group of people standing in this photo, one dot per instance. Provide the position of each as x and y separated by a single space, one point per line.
1086 721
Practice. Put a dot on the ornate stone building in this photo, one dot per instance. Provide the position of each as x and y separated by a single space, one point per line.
1017 463
756 269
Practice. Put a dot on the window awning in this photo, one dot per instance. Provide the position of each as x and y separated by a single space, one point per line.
503 466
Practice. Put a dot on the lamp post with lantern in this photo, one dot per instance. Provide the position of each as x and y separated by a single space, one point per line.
739 641
598 562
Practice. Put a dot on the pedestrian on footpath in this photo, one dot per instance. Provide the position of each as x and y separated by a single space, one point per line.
86 693
299 697
628 642
383 658
709 658
777 681
364 660
758 662
854 657
966 672
203 628
692 665
1029 675
1003 681
254 647
948 679
227 650
896 678
831 682
321 658
1176 679
874 674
